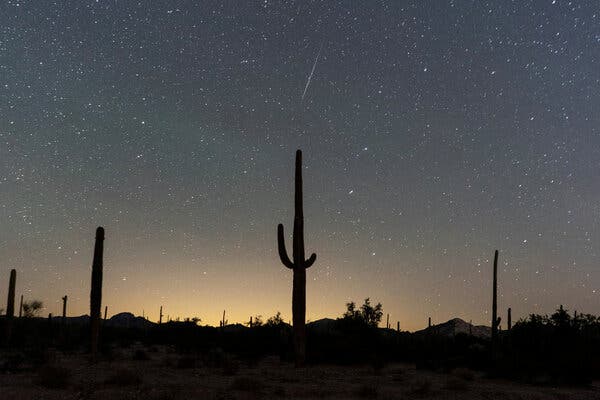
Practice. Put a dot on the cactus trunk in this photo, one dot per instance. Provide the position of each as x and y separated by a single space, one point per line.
10 305
64 314
509 319
495 301
160 315
298 266
21 307
96 292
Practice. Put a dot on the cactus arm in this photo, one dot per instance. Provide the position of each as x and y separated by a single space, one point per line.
311 260
285 259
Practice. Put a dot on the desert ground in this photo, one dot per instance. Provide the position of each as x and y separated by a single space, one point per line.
159 373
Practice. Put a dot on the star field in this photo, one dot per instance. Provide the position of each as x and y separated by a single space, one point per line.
433 132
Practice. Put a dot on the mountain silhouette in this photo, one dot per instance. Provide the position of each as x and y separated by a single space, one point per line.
456 326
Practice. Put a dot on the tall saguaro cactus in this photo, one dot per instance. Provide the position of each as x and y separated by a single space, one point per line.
495 303
10 305
10 302
96 291
160 315
298 266
509 319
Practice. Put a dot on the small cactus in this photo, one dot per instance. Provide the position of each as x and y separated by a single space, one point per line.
64 314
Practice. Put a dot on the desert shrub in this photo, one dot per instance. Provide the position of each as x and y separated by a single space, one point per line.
124 377
53 377
367 391
247 384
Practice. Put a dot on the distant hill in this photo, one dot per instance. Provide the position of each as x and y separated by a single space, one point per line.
324 325
128 320
456 326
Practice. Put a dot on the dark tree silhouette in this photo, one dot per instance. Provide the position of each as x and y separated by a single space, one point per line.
32 308
367 314
299 266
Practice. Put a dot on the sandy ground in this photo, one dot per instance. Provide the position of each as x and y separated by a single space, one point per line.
166 375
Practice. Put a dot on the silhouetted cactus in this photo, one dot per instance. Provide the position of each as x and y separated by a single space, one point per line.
387 323
21 307
10 302
495 321
105 312
64 314
223 321
160 315
509 319
429 322
298 266
96 292
398 326
10 305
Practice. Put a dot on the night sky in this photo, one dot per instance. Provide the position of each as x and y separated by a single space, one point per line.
433 132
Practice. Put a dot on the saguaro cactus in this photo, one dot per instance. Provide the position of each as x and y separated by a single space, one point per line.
429 322
298 266
64 315
96 291
509 319
160 315
21 307
10 303
10 306
105 312
223 321
495 321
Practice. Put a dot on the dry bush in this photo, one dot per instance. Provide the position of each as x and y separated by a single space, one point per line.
124 377
54 377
